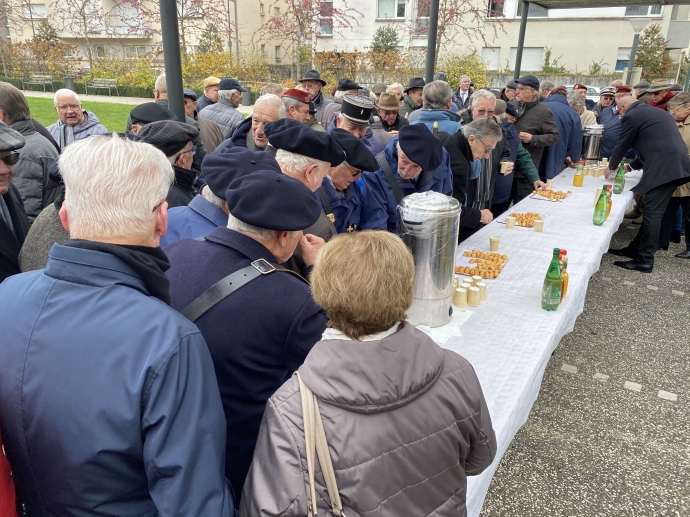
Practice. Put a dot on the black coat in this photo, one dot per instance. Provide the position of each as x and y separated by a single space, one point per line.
653 135
536 119
399 122
11 241
182 191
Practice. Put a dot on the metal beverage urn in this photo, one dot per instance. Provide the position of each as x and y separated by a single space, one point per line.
591 145
428 223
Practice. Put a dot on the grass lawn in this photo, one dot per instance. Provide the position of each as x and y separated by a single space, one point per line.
112 116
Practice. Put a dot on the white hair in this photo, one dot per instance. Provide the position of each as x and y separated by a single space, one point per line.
272 100
393 86
262 233
295 164
112 186
482 94
208 195
227 94
67 93
161 84
339 94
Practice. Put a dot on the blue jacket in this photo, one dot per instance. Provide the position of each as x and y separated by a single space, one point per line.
379 206
258 336
503 184
612 128
570 141
199 218
108 397
346 205
448 122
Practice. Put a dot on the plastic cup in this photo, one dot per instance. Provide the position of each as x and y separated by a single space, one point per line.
465 285
482 291
460 297
504 167
539 225
494 242
549 184
474 297
476 279
510 222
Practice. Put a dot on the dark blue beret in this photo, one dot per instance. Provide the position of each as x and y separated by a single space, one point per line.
280 125
272 201
219 170
307 142
421 146
356 153
510 110
347 84
231 84
151 112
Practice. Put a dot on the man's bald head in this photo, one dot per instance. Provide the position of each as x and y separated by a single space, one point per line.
625 103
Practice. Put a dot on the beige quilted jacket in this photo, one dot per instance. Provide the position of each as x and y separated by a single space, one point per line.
684 128
405 420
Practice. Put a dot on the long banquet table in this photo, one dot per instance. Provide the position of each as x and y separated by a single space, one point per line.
509 339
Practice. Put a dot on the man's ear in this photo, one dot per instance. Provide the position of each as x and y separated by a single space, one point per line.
282 237
64 218
311 172
162 219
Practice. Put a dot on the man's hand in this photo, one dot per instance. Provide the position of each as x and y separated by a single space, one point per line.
310 245
525 137
509 168
393 133
487 216
570 163
539 185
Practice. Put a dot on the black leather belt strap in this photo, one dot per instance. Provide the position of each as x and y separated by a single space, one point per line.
228 285
397 191
328 210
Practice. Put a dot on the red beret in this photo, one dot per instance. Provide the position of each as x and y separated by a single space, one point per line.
623 89
579 86
560 89
300 95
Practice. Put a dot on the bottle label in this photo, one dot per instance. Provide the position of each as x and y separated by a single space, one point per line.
551 294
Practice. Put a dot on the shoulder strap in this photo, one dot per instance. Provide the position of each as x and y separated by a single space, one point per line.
228 285
326 204
397 191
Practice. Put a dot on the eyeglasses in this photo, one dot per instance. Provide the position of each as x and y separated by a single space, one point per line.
10 159
66 107
673 110
524 89
486 113
157 206
487 149
192 150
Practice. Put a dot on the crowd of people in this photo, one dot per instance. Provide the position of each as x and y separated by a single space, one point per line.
163 285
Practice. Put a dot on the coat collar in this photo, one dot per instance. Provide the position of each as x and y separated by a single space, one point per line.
184 178
208 210
239 242
433 115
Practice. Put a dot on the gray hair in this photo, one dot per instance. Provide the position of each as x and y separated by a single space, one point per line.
679 98
161 84
227 94
208 195
272 100
112 185
65 92
436 95
13 103
546 85
273 88
481 94
291 101
339 94
464 77
394 86
294 164
483 127
576 100
262 233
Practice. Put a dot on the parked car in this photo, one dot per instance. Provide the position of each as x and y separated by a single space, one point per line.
592 91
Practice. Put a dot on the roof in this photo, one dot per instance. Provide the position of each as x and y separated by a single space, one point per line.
561 4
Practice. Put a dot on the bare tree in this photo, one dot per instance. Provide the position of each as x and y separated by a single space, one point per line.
81 19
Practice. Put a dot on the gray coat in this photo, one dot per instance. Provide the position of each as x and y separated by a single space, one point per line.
46 231
406 423
65 135
31 171
224 114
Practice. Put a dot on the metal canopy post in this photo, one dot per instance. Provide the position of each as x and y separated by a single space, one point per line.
636 40
171 54
521 39
431 42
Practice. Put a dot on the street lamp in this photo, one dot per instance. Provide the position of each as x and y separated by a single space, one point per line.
638 25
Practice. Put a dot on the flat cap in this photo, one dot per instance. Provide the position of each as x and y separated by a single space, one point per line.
151 112
642 85
188 92
623 89
357 109
211 81
500 107
356 153
529 80
219 170
10 140
272 201
170 136
300 95
346 84
415 82
379 88
421 146
231 84
512 85
307 142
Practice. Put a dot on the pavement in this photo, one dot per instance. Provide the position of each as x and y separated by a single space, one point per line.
609 434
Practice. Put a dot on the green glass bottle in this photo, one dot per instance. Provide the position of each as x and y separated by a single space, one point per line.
619 182
553 284
600 208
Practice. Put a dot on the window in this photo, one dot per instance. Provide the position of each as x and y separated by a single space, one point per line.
263 50
100 51
68 52
490 57
261 9
496 8
35 11
276 11
643 10
422 23
535 11
623 58
327 18
391 9
532 58
277 49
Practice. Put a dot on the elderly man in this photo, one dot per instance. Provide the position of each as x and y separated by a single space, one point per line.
313 84
414 161
581 90
354 117
209 210
296 104
661 93
209 131
535 126
508 93
388 107
462 95
545 91
412 98
35 158
437 97
210 95
610 119
345 87
175 139
268 213
568 149
74 123
663 157
641 93
224 112
607 98
250 133
14 224
273 88
378 89
128 413
340 194
146 113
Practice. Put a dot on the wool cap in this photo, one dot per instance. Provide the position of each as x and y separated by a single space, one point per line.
11 140
357 109
379 88
529 80
421 146
272 201
307 142
281 125
219 170
356 153
150 112
510 110
231 84
512 85
642 85
170 136
347 84
188 92
211 81
500 107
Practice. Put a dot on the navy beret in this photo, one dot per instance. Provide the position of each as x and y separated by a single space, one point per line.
307 142
281 125
188 92
346 84
151 112
170 136
356 153
219 170
510 110
421 146
529 80
272 201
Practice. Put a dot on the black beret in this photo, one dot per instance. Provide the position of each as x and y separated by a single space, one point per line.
307 142
346 84
356 153
272 201
219 170
170 136
281 125
10 140
151 112
188 92
421 146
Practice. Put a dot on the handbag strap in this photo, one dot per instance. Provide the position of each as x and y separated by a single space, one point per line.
388 172
315 441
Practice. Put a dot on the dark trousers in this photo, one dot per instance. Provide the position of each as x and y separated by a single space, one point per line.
521 188
669 218
498 208
645 243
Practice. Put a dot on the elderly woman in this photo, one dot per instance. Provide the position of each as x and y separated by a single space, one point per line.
405 420
578 103
397 89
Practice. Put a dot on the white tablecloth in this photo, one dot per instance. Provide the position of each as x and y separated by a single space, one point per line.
510 338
